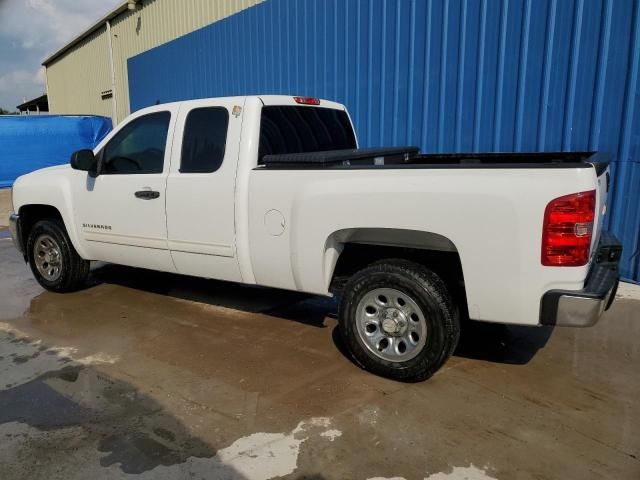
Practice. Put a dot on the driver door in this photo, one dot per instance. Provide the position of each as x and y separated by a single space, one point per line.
121 213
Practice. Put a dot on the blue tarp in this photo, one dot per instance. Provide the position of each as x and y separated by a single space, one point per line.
28 143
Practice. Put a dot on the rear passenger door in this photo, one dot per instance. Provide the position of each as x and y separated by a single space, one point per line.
201 189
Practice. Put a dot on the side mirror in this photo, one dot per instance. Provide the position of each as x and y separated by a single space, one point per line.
84 160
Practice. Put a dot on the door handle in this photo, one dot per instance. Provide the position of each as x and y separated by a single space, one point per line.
147 194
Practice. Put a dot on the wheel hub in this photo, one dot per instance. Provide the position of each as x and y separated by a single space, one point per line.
394 322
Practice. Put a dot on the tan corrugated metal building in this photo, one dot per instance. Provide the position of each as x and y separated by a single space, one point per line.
89 74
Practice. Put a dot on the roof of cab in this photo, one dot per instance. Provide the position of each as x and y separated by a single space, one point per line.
265 99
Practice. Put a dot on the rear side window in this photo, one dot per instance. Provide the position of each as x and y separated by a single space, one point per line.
204 141
291 129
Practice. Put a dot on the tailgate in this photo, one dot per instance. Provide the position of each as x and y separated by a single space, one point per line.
604 181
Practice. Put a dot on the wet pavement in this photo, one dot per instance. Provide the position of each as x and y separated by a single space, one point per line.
149 375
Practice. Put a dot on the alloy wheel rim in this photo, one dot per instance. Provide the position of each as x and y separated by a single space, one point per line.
47 257
391 324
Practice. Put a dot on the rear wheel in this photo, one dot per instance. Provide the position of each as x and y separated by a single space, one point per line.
53 260
398 320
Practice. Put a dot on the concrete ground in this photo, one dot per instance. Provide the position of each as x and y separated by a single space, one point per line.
5 206
146 375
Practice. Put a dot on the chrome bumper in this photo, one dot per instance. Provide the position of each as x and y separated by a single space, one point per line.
583 308
14 229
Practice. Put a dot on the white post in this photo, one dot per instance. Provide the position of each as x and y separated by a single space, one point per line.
46 80
113 76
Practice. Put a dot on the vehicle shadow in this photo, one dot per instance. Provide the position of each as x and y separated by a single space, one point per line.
252 299
506 344
509 344
498 343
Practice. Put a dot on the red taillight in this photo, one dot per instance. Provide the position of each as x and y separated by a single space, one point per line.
307 100
567 230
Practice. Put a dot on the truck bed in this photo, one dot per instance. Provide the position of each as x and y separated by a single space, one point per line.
409 157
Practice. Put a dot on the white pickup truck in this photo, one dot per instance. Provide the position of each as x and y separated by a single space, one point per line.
273 191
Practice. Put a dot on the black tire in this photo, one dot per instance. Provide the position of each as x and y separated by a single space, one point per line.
428 292
73 269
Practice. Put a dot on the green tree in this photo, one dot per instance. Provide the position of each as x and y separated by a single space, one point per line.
6 112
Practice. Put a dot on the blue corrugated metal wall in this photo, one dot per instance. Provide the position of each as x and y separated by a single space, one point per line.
446 75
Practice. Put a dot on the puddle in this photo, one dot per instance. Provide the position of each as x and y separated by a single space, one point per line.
56 403
129 429
22 360
48 390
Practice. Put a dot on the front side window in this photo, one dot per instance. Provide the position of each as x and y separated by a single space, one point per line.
204 141
139 147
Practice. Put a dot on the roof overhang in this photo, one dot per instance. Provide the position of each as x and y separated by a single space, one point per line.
121 8
41 103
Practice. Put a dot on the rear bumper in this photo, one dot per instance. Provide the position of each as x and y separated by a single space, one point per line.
14 229
583 308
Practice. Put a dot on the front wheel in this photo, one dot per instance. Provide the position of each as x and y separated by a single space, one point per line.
53 260
398 320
